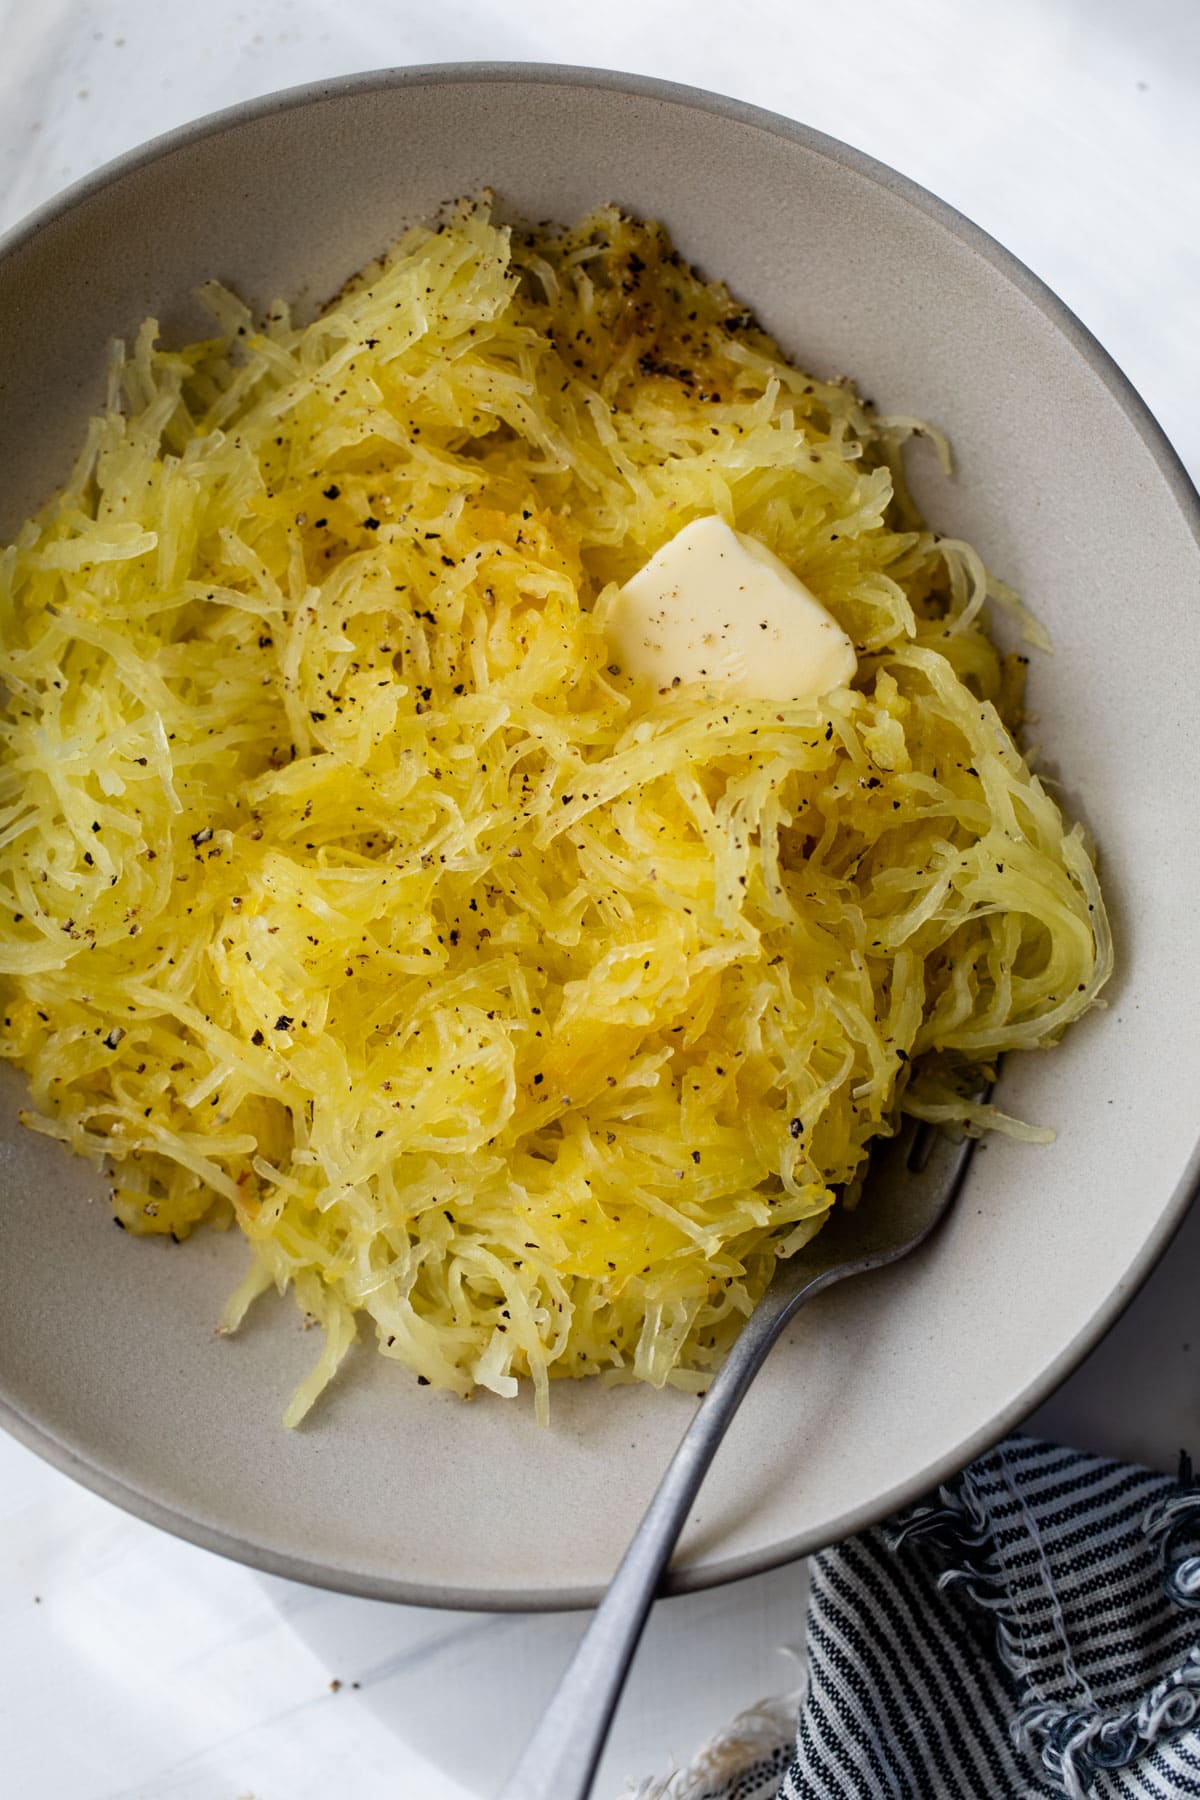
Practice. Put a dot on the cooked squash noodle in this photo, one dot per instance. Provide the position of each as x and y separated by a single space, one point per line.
351 892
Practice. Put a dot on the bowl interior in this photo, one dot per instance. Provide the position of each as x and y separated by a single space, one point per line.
108 1360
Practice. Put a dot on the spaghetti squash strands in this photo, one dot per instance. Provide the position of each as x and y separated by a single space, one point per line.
350 890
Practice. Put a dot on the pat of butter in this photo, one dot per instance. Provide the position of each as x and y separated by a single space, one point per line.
714 605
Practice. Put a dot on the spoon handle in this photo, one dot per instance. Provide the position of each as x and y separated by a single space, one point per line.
560 1759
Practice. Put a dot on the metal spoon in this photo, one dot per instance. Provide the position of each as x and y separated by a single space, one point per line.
913 1179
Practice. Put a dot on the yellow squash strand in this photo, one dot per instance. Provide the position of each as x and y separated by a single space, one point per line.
346 892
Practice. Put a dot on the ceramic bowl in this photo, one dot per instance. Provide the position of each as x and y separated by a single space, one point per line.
109 1364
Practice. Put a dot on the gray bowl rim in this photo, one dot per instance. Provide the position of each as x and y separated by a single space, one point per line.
856 1518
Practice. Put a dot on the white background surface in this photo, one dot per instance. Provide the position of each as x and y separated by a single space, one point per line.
133 1665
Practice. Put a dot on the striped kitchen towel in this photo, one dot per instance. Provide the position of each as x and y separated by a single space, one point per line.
1033 1629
